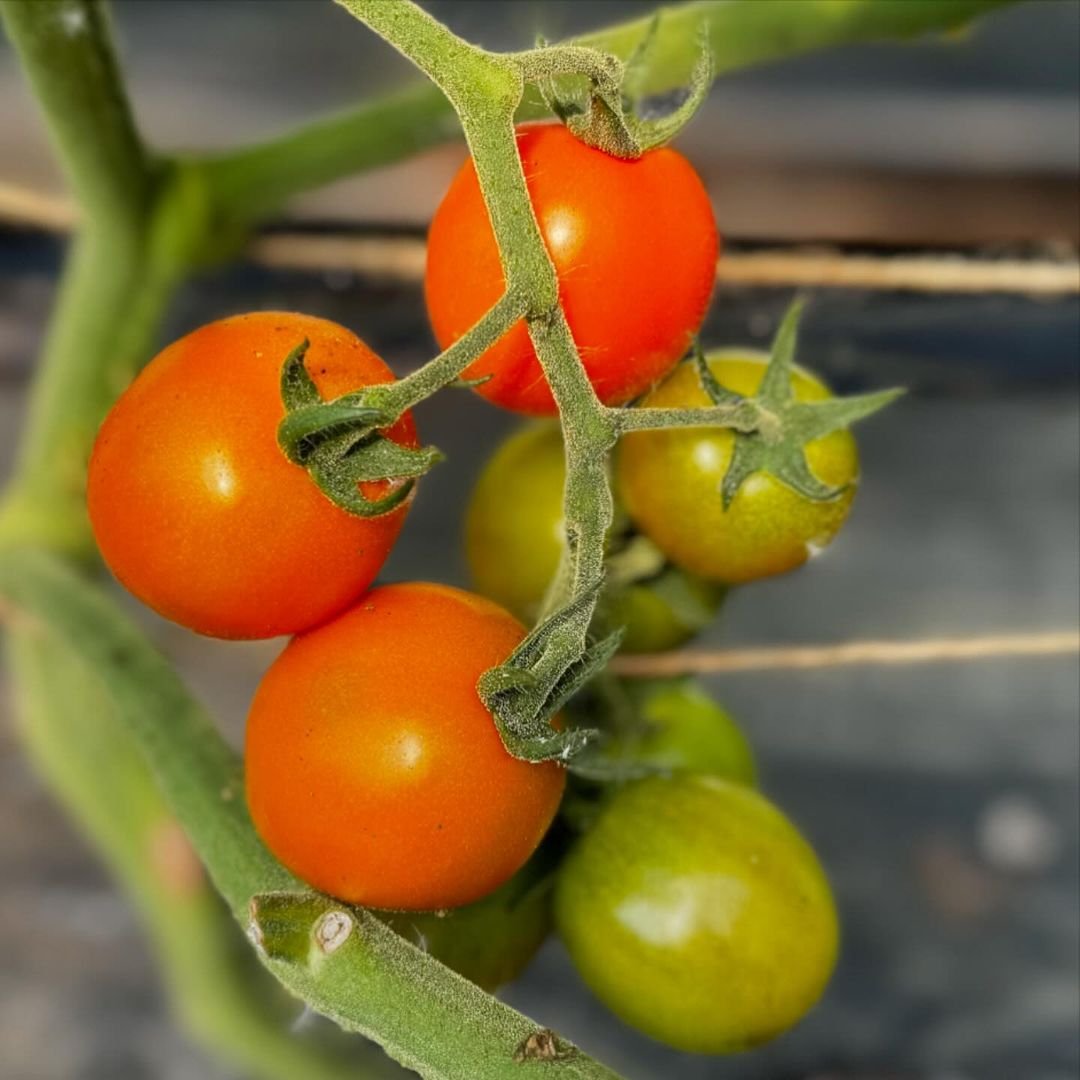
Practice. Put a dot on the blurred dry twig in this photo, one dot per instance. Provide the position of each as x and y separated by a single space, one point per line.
401 258
848 654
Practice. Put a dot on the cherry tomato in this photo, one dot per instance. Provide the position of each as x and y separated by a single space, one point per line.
514 520
513 542
491 941
669 480
198 512
634 245
682 729
375 772
663 611
697 913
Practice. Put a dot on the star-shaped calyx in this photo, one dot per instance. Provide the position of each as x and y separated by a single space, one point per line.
786 425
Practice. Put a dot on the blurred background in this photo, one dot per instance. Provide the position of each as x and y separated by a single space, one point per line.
942 797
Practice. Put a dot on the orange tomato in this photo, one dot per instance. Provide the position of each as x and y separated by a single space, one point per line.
198 512
374 771
634 245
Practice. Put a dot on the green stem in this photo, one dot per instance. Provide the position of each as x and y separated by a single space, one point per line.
79 744
740 416
112 297
394 398
256 181
68 59
743 33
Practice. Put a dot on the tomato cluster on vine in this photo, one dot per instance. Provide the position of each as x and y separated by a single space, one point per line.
374 771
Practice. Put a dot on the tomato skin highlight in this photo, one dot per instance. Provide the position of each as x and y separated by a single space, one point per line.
695 911
198 512
634 245
374 771
669 481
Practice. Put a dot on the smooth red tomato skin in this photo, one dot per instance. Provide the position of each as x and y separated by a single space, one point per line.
374 771
634 244
198 512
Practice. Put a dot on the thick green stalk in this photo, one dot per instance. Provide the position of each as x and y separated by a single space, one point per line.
77 742
255 181
112 297
70 64
742 33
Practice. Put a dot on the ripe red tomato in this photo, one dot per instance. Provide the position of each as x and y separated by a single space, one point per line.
375 772
198 512
634 245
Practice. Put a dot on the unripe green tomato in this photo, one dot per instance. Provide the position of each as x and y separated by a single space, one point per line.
697 913
513 543
492 941
662 612
670 480
683 730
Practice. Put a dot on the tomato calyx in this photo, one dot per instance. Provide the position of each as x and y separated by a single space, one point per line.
341 444
525 692
598 97
785 426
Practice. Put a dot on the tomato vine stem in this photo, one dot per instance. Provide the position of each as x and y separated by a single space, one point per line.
485 90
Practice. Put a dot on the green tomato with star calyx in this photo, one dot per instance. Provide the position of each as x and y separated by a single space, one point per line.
671 481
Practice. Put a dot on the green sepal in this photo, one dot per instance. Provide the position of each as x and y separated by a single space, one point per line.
719 395
299 433
778 446
339 444
599 765
650 133
607 117
522 700
297 386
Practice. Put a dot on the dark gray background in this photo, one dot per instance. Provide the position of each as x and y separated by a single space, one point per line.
960 954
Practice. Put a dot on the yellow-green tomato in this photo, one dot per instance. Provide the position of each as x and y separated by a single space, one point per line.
669 481
491 941
697 913
514 521
683 729
514 537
